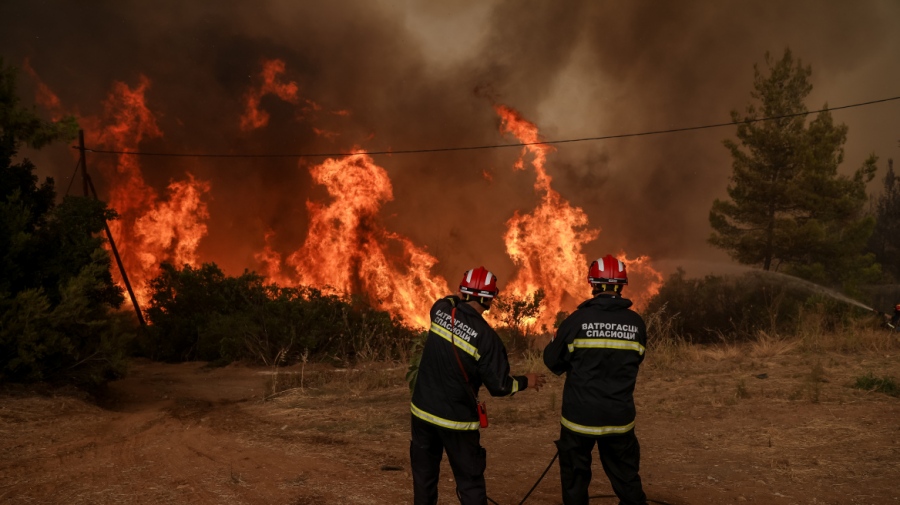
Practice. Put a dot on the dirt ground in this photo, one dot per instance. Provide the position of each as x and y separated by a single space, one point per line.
786 429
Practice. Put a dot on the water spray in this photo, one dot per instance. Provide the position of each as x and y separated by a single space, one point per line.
817 288
731 268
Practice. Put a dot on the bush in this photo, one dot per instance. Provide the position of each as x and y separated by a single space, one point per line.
58 318
202 314
737 308
885 385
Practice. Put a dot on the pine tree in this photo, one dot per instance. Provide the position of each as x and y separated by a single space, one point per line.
885 241
788 208
57 297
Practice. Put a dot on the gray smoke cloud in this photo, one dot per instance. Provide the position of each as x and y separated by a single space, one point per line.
420 74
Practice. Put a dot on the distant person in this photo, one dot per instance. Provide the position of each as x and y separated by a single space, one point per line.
891 321
461 353
600 348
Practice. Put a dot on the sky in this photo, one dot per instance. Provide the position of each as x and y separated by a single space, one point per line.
396 75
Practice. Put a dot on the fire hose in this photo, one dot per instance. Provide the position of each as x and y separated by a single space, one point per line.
556 455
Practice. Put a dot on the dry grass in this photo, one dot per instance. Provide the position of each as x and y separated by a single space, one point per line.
851 339
665 347
667 353
318 380
532 361
667 350
778 424
716 352
770 346
853 336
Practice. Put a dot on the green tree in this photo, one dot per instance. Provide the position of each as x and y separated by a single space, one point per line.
885 241
788 208
57 297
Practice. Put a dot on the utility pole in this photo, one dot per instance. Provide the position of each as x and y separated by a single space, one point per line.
87 184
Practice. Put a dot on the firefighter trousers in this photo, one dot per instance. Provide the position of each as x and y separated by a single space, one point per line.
620 456
467 460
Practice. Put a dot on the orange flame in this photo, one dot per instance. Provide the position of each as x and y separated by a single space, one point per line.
253 117
150 229
328 135
43 95
271 262
546 245
641 273
348 251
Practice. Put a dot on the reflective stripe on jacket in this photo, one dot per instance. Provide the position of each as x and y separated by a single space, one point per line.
441 395
599 347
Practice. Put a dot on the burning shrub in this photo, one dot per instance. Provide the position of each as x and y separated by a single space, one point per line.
518 316
737 308
202 314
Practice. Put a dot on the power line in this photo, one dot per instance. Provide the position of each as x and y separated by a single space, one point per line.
71 179
487 146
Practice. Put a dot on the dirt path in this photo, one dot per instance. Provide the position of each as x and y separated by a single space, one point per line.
784 430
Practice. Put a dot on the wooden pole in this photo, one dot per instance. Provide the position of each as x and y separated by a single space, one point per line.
88 184
84 176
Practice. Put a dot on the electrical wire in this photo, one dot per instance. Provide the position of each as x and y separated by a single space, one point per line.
72 179
487 146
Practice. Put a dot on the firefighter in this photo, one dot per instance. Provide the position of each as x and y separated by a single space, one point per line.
893 321
599 347
461 353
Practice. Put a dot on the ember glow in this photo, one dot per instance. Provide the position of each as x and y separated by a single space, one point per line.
151 228
546 245
44 96
253 116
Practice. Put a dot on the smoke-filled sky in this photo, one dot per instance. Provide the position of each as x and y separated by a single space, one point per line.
422 74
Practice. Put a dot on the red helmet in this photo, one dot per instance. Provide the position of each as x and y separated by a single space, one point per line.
607 270
480 283
897 307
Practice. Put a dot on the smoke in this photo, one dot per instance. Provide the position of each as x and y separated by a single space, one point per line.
403 75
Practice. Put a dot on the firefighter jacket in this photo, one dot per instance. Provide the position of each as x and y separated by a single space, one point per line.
599 347
441 395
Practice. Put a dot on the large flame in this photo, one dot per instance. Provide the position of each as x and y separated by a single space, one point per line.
348 251
151 228
546 245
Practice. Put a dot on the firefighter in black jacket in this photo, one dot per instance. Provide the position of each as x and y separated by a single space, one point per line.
444 403
600 348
